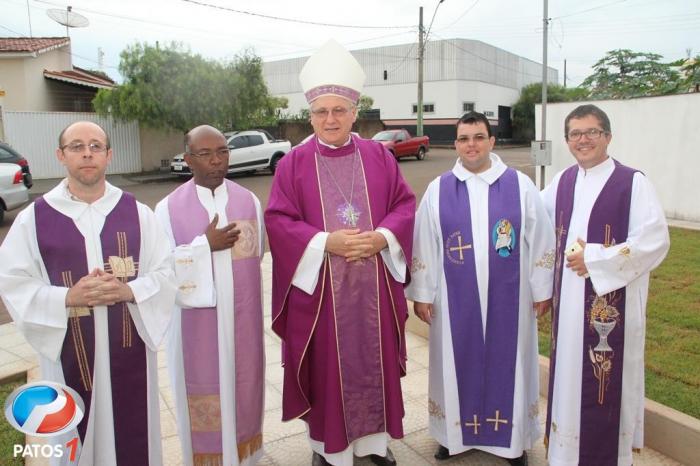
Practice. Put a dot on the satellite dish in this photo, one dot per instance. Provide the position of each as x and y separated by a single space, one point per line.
68 18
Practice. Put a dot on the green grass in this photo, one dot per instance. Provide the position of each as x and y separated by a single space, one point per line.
8 435
672 352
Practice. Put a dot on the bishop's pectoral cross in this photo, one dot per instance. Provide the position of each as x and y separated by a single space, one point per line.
460 247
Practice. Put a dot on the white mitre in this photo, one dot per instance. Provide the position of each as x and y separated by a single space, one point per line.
332 70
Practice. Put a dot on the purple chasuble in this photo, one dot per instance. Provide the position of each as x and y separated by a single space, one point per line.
485 367
355 296
200 344
604 317
62 249
311 325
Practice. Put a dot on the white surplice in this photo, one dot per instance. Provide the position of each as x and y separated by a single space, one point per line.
428 285
646 246
213 276
40 313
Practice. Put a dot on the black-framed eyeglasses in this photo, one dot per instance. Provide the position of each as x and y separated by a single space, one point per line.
591 133
79 147
206 154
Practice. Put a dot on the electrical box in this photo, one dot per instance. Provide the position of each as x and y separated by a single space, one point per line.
541 152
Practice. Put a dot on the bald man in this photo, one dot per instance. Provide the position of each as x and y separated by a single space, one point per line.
216 352
86 276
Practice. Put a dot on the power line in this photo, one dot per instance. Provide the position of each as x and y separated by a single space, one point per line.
291 20
588 10
453 44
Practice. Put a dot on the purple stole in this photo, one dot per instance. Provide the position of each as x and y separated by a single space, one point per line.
62 249
604 318
485 367
355 293
200 345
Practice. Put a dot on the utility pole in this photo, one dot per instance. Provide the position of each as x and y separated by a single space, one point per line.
419 109
565 73
29 16
545 26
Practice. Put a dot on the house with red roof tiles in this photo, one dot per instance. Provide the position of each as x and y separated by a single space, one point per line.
37 74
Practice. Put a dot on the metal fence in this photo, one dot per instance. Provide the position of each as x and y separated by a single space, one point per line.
35 136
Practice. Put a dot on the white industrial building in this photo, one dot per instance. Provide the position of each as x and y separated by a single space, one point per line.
459 75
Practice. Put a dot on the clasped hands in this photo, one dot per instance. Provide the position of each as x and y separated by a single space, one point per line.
353 244
98 288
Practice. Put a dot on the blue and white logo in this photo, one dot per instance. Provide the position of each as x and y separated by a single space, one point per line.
44 409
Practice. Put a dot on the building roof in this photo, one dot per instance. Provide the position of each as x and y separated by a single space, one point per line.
81 77
30 45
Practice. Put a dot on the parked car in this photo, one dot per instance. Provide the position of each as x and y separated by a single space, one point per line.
401 144
250 150
13 192
9 155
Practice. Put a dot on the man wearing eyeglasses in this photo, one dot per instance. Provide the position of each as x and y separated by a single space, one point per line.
340 223
85 274
481 272
215 350
610 233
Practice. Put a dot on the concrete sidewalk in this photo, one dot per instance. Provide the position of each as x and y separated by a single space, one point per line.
286 444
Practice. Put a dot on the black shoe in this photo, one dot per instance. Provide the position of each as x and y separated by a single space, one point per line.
387 460
319 460
442 453
520 461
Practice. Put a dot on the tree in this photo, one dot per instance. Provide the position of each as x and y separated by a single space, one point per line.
172 88
623 74
524 108
690 71
365 103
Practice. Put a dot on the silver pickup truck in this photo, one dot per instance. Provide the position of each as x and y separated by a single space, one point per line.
250 151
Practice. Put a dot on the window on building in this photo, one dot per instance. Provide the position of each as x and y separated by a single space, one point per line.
427 108
488 113
467 107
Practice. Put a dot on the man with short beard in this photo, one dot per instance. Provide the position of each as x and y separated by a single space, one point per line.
215 352
85 274
610 234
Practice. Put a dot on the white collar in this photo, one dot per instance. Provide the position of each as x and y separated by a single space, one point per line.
490 175
207 193
61 199
331 145
603 167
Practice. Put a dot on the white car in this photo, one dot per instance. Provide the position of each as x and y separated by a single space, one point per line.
13 192
250 150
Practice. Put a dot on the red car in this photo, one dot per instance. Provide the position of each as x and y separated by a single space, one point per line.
401 144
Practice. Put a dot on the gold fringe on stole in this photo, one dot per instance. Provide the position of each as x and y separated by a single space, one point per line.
208 459
248 447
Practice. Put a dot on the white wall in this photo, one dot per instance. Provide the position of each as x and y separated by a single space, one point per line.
657 135
24 82
35 136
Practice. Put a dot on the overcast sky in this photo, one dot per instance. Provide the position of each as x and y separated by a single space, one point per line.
580 32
